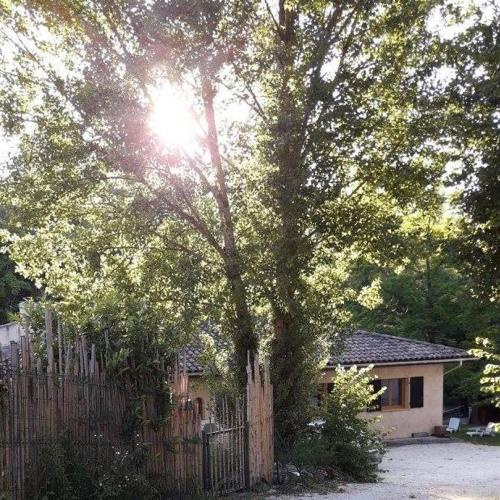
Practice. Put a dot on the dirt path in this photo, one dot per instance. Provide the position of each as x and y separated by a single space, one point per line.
451 471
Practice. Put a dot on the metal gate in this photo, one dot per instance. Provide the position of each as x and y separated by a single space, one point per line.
225 448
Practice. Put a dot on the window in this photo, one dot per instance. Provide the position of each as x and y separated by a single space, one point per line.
400 393
326 389
199 407
323 391
393 394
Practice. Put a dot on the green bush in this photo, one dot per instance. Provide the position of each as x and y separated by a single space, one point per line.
67 470
339 441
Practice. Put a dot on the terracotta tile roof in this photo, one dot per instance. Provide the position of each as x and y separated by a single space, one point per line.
360 348
368 348
190 354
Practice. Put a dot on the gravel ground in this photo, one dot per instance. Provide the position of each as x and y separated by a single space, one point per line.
451 471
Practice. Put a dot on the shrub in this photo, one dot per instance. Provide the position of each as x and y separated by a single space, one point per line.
67 470
338 439
489 349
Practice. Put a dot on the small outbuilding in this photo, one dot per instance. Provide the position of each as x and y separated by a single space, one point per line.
411 371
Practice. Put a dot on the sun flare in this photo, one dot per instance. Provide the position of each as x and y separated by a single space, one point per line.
172 119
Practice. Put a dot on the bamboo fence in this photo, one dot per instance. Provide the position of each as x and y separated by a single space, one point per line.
238 448
70 395
260 423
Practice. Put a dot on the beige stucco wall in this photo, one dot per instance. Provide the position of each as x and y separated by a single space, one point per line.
404 422
396 423
198 389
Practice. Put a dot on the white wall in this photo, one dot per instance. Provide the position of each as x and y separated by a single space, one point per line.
10 332
402 423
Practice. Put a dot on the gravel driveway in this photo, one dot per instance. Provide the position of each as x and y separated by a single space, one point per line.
445 471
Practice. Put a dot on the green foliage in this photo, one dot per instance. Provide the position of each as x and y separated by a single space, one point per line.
343 443
32 317
472 118
450 313
473 122
13 289
251 226
463 384
137 351
424 294
67 470
488 349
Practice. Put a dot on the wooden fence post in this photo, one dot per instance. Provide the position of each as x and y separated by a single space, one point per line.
260 423
42 400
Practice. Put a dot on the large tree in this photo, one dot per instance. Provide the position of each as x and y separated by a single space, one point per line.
13 289
474 126
425 293
248 224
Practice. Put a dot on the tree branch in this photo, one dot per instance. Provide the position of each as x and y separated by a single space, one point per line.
271 15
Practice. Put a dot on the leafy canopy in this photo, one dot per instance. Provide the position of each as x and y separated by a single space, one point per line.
252 226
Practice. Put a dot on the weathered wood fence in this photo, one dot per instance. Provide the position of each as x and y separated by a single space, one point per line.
225 462
260 423
71 396
38 406
238 442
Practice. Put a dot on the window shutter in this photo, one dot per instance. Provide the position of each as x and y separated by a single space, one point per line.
377 404
416 392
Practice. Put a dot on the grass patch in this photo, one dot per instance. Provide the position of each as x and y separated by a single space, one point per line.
487 440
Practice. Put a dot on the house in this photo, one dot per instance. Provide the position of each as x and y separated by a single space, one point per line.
412 372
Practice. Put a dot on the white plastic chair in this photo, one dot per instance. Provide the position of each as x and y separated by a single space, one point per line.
489 430
453 425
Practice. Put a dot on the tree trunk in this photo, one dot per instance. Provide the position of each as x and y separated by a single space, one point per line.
244 336
292 370
430 330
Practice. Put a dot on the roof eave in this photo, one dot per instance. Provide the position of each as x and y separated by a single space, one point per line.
391 363
411 362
